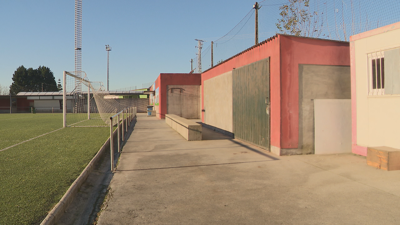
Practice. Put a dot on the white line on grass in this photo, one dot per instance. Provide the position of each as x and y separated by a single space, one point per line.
30 139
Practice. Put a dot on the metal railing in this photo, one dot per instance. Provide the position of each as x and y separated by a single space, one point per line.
124 119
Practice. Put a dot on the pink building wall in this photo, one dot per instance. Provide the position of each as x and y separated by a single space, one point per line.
285 53
295 51
268 48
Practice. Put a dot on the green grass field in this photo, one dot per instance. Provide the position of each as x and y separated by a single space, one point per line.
36 174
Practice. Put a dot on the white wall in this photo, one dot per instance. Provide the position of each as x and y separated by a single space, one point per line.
218 101
378 117
47 104
332 126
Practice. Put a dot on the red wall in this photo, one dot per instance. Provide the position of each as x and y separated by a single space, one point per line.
172 79
295 51
23 104
4 102
268 48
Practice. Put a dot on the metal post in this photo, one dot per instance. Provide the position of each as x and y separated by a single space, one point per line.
123 127
108 70
88 102
64 99
129 118
119 135
126 128
111 144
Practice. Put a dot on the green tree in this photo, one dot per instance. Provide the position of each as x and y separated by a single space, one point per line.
33 80
297 19
47 79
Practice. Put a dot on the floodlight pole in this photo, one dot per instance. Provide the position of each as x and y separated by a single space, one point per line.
200 42
108 49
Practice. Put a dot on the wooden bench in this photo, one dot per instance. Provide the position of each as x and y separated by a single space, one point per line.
384 158
189 129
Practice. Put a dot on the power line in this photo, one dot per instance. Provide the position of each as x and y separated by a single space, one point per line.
238 30
251 10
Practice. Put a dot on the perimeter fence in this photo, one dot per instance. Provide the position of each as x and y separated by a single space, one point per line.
331 19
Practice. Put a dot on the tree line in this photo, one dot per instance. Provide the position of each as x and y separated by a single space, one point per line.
34 80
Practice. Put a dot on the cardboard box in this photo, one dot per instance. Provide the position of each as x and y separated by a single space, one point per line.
384 158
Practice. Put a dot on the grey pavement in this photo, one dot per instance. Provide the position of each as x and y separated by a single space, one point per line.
163 179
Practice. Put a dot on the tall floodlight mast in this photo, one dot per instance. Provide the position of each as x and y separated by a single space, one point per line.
200 42
108 49
78 43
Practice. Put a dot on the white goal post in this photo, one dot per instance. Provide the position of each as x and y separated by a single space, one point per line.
91 108
79 79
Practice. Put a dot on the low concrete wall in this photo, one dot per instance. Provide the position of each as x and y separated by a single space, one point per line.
59 209
190 130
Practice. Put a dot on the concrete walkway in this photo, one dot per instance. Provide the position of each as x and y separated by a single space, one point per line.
163 179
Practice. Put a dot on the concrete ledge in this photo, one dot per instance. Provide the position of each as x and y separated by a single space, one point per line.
190 130
384 158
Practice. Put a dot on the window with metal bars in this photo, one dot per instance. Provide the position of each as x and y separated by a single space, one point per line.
376 72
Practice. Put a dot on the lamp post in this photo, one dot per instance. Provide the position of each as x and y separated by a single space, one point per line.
108 49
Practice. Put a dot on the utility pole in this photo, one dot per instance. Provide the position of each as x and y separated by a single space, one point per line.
212 54
256 7
191 65
108 49
200 42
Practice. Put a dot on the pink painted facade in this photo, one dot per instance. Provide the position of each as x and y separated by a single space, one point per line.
165 79
286 53
296 51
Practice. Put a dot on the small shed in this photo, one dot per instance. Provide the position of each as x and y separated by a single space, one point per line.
279 93
176 93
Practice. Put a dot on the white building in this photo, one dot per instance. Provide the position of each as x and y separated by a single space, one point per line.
375 80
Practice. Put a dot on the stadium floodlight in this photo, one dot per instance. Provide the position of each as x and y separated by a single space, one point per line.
108 49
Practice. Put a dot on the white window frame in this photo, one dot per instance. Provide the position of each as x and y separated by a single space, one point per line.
371 90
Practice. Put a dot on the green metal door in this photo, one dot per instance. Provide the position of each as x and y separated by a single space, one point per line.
250 93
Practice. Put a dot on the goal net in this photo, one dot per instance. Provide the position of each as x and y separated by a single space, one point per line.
87 104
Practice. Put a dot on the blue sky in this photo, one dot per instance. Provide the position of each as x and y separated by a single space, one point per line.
151 37
147 37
